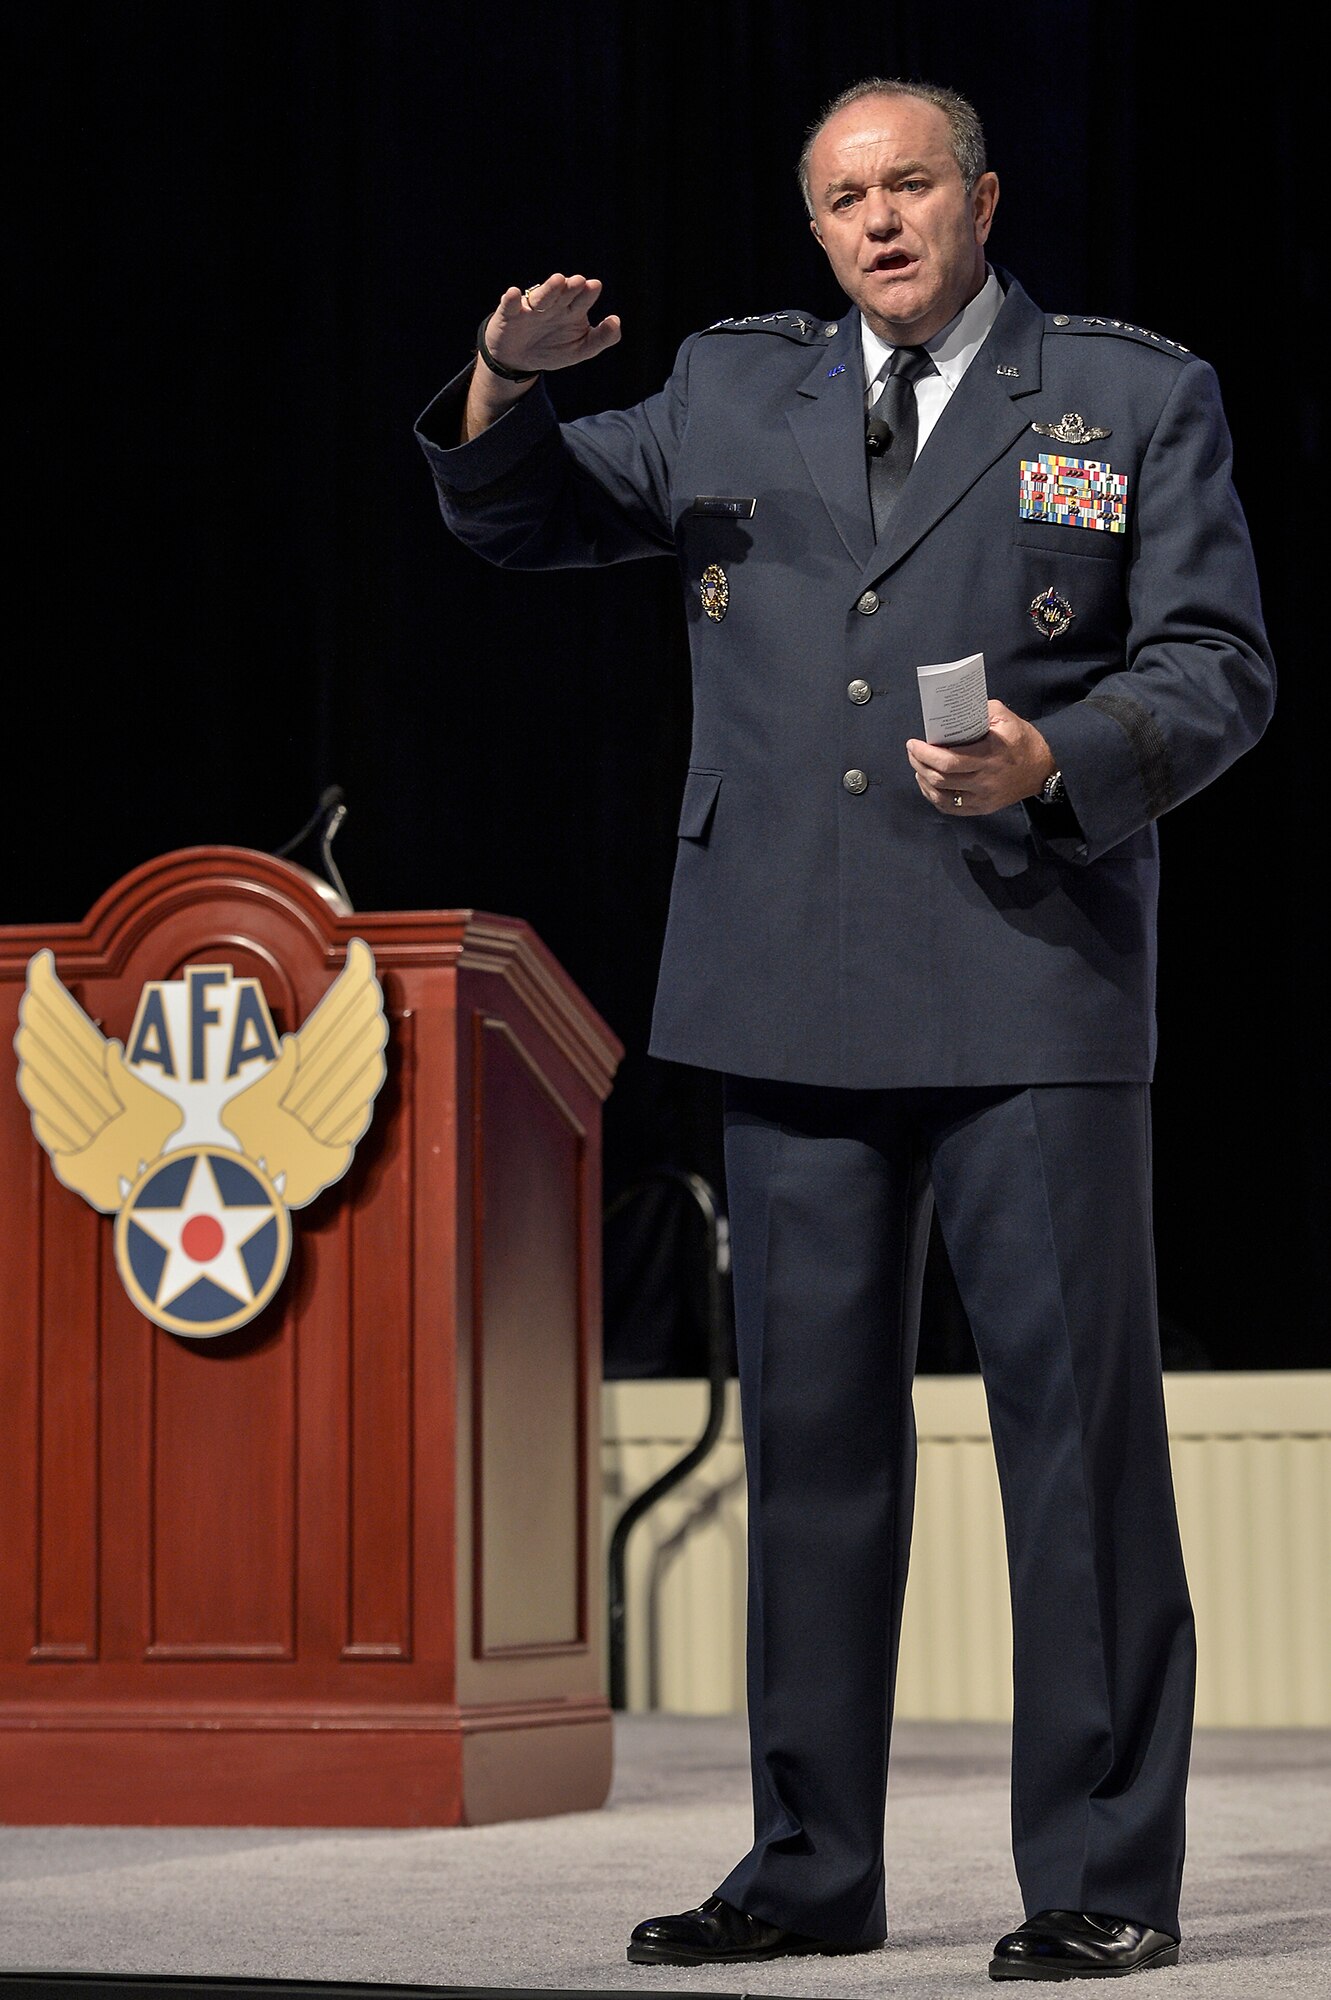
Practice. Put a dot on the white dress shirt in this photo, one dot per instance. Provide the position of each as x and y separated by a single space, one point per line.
952 352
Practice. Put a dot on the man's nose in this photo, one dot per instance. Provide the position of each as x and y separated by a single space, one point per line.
881 216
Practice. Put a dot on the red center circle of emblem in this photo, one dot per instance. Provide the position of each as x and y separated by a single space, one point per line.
202 1238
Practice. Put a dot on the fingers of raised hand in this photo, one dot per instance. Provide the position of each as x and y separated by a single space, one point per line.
553 296
547 325
604 334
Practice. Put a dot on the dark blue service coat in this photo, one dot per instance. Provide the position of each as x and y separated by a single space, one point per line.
859 938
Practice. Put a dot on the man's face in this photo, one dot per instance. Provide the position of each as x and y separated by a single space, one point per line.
889 207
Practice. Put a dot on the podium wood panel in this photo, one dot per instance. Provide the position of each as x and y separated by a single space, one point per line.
338 1567
529 1558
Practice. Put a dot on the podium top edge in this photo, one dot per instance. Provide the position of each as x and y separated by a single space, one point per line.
465 938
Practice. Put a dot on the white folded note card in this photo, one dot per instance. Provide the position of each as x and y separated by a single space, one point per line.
955 700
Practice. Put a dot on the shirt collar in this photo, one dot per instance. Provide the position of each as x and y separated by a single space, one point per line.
953 349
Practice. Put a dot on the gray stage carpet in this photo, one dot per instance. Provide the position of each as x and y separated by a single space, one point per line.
550 1902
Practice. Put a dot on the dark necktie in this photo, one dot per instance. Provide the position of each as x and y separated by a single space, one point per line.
892 428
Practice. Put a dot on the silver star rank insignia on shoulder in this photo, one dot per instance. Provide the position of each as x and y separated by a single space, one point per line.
1052 613
1071 430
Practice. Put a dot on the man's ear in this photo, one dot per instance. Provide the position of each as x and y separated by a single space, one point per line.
984 200
816 230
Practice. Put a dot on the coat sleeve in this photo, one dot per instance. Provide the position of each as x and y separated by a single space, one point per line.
531 493
1198 683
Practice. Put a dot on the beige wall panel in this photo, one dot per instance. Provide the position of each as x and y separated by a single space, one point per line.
686 1559
1252 1469
956 1636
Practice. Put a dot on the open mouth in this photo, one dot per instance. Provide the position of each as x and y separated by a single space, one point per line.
892 260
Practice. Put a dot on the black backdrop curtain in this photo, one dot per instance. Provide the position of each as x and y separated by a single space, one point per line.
254 239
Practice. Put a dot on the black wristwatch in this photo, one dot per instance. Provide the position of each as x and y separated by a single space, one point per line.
497 367
1052 790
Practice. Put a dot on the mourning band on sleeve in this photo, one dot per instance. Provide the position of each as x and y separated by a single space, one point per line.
1148 746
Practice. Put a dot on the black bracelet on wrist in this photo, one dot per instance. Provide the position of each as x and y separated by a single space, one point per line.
497 367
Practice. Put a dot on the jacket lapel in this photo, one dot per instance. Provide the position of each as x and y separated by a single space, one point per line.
982 418
826 416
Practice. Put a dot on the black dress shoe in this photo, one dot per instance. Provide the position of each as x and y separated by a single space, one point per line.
1080 1944
715 1934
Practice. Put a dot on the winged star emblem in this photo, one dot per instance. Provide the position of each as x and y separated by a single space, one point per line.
203 1130
1070 429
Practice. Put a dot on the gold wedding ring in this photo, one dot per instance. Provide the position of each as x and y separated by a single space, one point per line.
956 798
527 291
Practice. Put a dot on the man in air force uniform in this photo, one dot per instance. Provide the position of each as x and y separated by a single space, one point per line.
923 970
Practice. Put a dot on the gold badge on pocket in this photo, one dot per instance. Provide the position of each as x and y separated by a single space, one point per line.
1052 613
715 592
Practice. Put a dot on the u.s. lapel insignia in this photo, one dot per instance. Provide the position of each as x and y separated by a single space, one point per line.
1052 613
715 592
1071 430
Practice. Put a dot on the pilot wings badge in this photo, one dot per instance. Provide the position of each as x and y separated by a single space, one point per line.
206 1130
1071 430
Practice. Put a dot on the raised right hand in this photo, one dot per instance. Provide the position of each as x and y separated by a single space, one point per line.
548 325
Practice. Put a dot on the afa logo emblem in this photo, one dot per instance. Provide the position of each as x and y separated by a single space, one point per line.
205 1129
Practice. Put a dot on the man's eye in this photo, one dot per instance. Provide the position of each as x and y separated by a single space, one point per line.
913 187
842 201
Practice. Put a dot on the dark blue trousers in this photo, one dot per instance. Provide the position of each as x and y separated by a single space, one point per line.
1044 1201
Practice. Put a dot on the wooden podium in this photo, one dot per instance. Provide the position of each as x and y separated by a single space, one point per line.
340 1566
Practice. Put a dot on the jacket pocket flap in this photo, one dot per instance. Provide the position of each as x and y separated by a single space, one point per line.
695 812
1054 539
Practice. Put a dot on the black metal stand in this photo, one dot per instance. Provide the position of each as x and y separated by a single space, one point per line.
718 1366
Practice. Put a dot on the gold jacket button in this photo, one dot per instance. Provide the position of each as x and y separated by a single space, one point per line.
855 781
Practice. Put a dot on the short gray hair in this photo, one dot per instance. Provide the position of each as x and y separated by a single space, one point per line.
964 128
